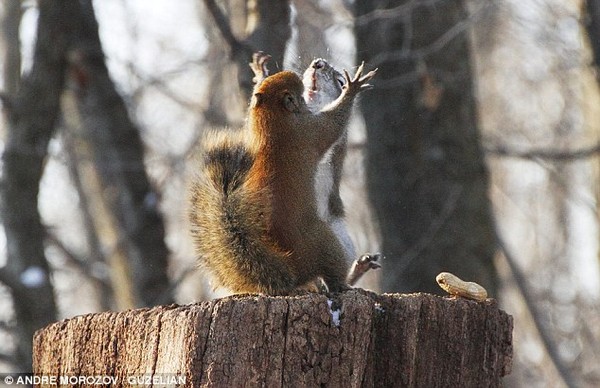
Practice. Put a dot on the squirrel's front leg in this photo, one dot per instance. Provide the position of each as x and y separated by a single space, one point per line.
361 266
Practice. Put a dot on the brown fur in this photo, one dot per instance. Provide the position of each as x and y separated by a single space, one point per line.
254 215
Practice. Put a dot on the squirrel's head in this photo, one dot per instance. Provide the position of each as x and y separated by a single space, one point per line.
280 92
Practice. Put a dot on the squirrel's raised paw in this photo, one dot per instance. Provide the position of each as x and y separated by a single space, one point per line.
359 81
259 66
362 265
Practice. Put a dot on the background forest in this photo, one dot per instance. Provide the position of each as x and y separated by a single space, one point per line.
477 152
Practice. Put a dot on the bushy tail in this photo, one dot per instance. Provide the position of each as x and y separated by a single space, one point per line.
229 224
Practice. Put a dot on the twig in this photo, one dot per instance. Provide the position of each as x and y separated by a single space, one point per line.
437 45
413 252
549 154
223 26
81 265
161 86
393 13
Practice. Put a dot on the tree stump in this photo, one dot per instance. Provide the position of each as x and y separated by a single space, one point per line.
352 339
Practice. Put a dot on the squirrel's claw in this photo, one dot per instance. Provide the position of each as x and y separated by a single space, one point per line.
362 265
358 82
259 66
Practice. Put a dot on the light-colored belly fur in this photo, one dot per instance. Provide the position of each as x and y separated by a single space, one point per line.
324 185
323 189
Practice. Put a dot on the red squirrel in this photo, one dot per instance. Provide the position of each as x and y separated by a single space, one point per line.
322 85
254 212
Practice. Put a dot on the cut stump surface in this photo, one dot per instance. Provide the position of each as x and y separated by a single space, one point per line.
352 339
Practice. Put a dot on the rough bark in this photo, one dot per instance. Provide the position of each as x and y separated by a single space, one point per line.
426 176
355 339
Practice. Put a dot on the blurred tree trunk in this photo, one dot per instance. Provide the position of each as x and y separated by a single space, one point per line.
79 167
66 31
540 119
426 176
593 28
11 47
102 228
244 27
310 22
225 106
32 114
268 29
132 225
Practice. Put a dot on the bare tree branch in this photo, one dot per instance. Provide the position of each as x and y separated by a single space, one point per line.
223 25
426 238
408 52
97 255
159 83
392 13
118 153
82 266
548 154
269 32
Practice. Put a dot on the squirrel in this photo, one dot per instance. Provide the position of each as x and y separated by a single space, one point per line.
254 211
322 85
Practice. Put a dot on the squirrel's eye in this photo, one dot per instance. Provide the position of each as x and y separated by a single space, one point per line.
291 103
341 81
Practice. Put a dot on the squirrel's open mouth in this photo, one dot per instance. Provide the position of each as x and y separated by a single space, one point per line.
313 78
311 87
310 84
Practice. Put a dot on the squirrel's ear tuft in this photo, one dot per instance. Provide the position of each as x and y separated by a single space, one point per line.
257 99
